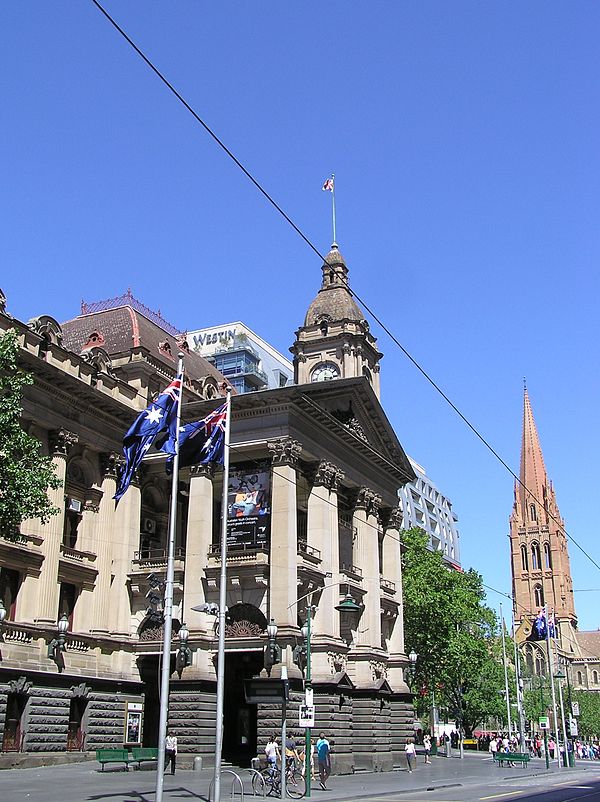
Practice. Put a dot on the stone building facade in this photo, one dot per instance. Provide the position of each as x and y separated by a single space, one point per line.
541 572
322 467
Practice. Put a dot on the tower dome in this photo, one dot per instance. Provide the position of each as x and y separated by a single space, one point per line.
334 300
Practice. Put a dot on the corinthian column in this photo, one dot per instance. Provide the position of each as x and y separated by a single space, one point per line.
199 538
392 570
284 532
323 534
127 537
105 544
47 608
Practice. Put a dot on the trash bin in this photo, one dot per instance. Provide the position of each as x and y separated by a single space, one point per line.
434 746
571 759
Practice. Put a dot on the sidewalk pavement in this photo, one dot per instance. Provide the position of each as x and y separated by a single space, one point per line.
84 782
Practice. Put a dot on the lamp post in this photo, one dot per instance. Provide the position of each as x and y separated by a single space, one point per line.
57 644
303 658
560 676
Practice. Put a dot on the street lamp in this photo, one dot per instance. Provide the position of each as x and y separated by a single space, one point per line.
302 658
183 658
560 676
272 651
57 644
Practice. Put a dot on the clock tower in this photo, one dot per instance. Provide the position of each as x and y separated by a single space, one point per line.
335 341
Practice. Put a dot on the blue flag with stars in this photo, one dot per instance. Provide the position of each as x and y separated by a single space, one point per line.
200 442
161 416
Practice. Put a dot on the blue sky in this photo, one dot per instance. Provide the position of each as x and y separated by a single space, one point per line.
464 139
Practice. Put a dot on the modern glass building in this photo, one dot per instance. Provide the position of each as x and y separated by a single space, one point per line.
425 506
248 361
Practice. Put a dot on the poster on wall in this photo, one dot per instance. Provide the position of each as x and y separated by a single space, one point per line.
133 724
248 508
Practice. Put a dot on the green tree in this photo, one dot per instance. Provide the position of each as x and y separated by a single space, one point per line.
25 474
454 633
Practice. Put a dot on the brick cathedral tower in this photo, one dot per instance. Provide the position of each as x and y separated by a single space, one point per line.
541 573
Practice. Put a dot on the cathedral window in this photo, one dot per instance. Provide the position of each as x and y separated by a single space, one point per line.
579 678
547 556
595 677
536 563
532 512
524 558
538 596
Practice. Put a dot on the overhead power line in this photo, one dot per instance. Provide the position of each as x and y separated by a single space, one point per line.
321 256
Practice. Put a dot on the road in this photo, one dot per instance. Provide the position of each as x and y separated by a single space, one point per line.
474 779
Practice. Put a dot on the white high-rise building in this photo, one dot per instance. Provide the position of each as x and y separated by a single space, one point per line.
425 506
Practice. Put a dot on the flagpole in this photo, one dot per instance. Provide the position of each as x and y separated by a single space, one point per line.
551 672
506 688
168 606
222 608
333 208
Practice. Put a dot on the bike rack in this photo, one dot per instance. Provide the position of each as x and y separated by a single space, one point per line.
233 782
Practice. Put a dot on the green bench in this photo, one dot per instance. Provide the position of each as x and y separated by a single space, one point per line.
113 756
143 754
511 758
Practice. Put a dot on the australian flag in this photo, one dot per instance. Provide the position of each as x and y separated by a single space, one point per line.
202 441
161 416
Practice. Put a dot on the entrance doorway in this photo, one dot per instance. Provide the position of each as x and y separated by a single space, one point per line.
149 667
75 733
13 722
239 731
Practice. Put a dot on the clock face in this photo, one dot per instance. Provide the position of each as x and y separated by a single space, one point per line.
325 372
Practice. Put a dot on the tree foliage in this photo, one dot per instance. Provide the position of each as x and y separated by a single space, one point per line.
25 474
454 634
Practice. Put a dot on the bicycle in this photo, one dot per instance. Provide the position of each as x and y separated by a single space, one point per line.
295 783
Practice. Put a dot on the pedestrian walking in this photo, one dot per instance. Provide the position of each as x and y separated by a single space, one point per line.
272 753
411 754
170 751
324 758
427 747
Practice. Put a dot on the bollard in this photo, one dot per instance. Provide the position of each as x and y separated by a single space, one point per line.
198 763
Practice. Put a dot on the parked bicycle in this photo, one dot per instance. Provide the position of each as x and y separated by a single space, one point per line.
295 783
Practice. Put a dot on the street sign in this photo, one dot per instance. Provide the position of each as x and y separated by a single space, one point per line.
306 716
575 708
266 691
308 697
573 727
544 722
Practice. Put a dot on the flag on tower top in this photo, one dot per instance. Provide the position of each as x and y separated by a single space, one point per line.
328 185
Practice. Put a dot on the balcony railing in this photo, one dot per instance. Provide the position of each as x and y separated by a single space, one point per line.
387 585
305 550
238 552
351 570
155 557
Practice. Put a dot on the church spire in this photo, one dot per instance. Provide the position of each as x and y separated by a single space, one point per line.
533 474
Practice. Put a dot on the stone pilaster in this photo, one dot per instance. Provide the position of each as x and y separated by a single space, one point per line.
392 570
284 532
61 442
88 537
199 538
126 538
323 534
367 643
106 543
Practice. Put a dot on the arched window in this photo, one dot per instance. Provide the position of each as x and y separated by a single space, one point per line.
524 558
547 556
538 596
532 512
579 678
595 677
535 557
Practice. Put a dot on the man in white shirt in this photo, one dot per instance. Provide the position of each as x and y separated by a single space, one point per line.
170 751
